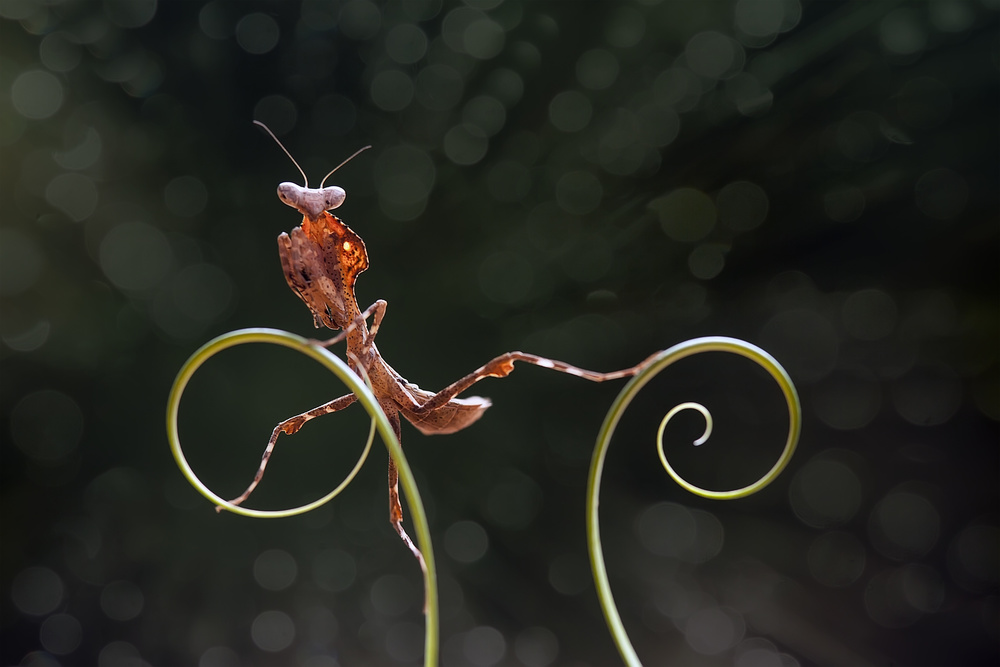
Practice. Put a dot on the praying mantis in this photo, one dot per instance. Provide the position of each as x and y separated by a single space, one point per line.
321 260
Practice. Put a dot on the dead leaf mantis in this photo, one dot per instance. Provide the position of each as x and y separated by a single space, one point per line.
321 260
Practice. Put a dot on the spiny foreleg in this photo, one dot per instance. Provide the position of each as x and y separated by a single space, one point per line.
377 308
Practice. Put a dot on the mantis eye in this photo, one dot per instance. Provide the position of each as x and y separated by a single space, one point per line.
289 193
333 197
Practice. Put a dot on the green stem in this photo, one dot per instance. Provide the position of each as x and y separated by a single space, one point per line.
664 359
379 421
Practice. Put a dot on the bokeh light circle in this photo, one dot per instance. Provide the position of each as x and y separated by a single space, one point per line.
130 14
60 634
485 113
904 525
122 600
21 261
393 595
74 194
406 43
36 94
257 33
973 556
334 570
392 90
869 314
928 395
185 196
714 55
707 261
536 647
805 341
570 111
59 53
360 19
484 646
672 530
135 256
483 38
466 541
825 492
36 591
272 631
742 205
597 69
901 33
439 87
848 399
465 144
714 630
686 214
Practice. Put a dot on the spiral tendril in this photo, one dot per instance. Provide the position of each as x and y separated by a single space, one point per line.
658 363
207 351
379 422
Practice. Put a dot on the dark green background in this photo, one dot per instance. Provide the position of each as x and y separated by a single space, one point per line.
590 181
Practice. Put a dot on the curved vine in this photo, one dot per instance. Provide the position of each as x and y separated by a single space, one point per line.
658 363
379 422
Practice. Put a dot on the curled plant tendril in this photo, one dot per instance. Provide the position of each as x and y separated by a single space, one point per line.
379 422
660 362
187 371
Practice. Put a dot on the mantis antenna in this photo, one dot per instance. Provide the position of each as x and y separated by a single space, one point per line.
282 146
304 177
356 153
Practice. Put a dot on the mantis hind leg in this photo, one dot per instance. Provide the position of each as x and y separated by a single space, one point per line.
395 507
503 365
288 427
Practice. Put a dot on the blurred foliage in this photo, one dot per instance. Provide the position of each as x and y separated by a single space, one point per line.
590 181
